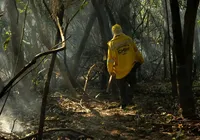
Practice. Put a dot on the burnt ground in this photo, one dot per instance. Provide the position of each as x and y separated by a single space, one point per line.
155 115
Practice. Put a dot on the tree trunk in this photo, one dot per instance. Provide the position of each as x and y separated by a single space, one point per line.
124 16
188 34
165 55
166 38
44 98
183 46
171 55
111 17
83 43
105 30
105 36
187 98
197 48
174 75
17 50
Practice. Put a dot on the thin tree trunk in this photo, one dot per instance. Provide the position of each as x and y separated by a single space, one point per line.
44 98
174 76
168 36
124 16
197 48
188 34
187 98
111 17
18 56
173 72
165 55
183 46
105 36
83 42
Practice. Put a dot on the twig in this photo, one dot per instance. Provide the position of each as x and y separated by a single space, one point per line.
87 77
161 56
27 73
49 11
141 23
83 3
5 101
95 76
191 121
57 129
33 61
155 71
13 126
17 83
109 82
88 74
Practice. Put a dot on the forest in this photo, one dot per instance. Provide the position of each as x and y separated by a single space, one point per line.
55 77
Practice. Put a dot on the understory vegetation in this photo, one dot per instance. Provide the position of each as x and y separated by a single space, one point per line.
54 78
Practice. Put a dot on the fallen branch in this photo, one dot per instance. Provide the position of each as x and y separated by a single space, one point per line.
57 129
186 121
87 77
13 125
88 74
32 62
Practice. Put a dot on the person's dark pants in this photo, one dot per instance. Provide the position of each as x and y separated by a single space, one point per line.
126 85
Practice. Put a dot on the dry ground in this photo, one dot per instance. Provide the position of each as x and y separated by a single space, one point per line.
154 116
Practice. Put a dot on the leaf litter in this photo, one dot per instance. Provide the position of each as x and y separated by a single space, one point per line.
155 115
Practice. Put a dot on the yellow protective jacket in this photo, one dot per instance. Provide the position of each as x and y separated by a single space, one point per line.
122 55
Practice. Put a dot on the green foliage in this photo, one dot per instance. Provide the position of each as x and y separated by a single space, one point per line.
5 44
8 38
85 3
21 4
21 10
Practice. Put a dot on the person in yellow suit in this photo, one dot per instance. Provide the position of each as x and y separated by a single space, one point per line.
122 61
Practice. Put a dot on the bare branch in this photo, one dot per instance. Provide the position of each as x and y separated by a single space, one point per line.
33 61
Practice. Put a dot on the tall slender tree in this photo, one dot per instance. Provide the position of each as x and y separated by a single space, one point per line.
183 46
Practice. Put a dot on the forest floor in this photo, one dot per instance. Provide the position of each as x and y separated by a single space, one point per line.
155 115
